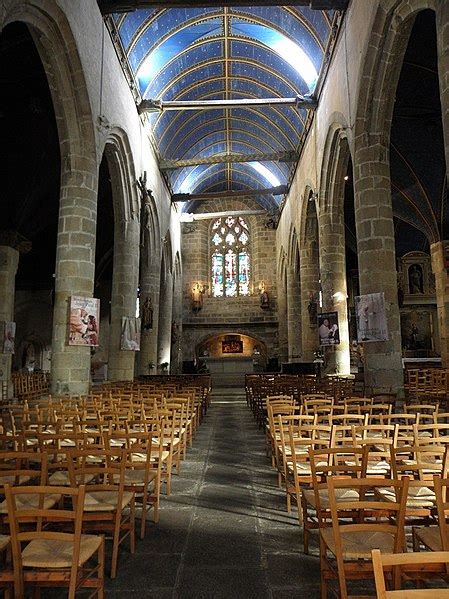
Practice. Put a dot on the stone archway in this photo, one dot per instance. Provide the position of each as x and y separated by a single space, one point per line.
332 244
125 279
78 185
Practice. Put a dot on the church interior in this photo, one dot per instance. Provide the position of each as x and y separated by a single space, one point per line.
238 259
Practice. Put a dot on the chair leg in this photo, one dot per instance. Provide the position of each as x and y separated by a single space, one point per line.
143 518
132 525
100 593
305 525
115 545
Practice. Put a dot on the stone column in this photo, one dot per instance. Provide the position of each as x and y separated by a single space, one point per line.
440 270
310 290
377 260
442 25
125 280
282 318
150 276
176 340
293 315
9 261
165 321
333 287
75 270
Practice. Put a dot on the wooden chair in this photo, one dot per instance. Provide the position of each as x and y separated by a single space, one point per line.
345 548
435 538
424 562
108 506
342 462
143 453
297 465
53 558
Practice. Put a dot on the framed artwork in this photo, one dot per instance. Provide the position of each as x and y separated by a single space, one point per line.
371 318
416 330
130 338
9 334
232 346
84 321
328 330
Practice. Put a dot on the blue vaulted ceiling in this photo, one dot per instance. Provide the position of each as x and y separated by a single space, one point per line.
227 53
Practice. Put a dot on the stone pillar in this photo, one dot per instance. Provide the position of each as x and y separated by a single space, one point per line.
165 321
125 280
150 276
75 270
377 260
176 338
310 290
293 315
333 287
282 318
442 25
9 261
439 268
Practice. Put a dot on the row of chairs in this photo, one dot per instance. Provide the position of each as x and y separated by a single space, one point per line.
30 385
118 445
310 448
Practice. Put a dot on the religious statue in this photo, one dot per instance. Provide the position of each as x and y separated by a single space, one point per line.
415 279
312 308
197 297
264 298
147 314
174 332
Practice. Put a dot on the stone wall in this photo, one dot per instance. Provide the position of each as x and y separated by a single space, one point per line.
221 315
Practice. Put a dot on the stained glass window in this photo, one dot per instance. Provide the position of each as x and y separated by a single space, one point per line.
230 257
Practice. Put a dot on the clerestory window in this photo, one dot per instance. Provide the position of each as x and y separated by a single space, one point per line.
230 257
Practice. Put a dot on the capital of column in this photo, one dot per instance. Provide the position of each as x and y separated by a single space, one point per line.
15 241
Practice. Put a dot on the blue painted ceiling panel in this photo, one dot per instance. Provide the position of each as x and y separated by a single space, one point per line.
227 53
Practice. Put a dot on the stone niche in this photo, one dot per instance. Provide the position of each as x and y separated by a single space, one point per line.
417 302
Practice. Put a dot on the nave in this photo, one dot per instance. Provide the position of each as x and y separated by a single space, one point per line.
224 531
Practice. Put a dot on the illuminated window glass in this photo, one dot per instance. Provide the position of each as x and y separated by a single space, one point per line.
230 257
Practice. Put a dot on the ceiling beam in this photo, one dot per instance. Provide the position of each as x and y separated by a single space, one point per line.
229 195
282 156
111 6
307 102
188 217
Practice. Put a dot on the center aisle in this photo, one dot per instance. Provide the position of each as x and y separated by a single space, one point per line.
224 531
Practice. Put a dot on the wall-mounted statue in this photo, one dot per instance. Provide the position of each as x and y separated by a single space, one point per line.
312 308
415 279
147 314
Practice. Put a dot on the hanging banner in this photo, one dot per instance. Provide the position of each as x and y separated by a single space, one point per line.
84 320
130 339
371 317
328 330
9 334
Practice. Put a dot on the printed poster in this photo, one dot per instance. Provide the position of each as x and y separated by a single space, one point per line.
130 339
9 334
328 330
371 318
84 321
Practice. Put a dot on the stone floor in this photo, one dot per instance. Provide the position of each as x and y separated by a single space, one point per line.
224 531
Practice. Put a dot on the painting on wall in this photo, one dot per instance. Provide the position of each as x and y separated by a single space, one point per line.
232 345
130 338
84 321
416 330
371 318
328 328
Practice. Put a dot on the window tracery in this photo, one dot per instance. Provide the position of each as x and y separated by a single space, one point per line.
230 257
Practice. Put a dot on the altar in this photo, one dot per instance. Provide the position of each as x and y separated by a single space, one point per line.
228 371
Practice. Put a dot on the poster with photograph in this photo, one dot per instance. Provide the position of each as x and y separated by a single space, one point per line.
371 318
328 328
130 339
9 333
84 321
